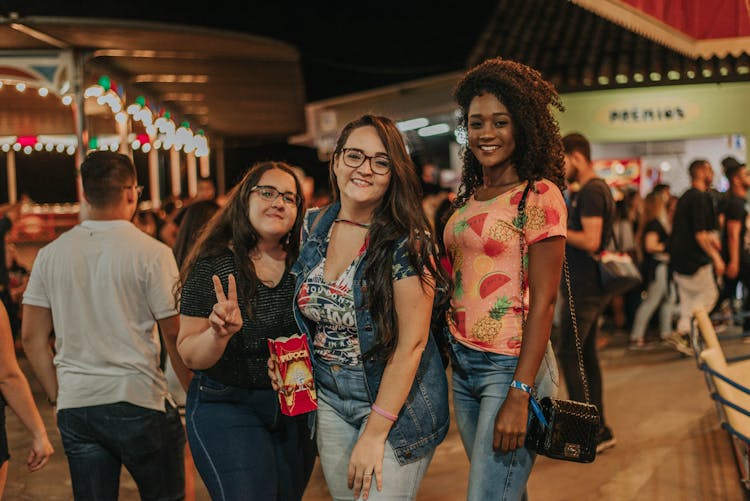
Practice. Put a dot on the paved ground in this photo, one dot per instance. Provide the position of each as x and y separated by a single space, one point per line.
670 446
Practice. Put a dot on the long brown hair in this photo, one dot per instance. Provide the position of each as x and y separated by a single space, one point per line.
230 228
399 215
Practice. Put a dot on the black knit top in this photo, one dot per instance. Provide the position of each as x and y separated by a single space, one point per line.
243 363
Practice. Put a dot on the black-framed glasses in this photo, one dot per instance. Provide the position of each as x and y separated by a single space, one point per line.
354 157
138 189
269 194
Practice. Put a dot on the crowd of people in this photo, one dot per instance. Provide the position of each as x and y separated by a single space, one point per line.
708 227
148 330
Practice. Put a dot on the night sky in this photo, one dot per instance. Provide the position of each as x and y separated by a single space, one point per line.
345 46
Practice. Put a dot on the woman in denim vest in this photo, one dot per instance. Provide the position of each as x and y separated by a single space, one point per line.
506 269
365 284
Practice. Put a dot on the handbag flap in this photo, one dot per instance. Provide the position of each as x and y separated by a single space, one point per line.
572 432
581 410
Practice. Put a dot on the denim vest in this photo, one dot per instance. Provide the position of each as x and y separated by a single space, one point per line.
423 421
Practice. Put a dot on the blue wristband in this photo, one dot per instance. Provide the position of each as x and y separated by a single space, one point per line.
535 407
521 386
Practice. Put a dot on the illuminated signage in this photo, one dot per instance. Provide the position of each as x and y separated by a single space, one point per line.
646 115
637 114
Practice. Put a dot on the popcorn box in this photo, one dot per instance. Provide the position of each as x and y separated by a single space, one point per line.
297 394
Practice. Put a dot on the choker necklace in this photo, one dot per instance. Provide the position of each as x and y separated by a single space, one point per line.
349 221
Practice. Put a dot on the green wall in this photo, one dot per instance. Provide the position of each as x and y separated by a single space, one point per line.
658 113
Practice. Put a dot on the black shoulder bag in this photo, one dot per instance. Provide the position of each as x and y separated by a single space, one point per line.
559 429
618 273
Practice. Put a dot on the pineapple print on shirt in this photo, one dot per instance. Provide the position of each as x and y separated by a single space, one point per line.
487 328
482 239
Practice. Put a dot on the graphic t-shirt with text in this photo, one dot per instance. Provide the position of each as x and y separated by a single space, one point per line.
330 304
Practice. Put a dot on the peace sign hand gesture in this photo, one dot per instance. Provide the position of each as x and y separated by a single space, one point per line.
225 319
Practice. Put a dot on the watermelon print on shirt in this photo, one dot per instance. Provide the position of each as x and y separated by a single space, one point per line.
483 244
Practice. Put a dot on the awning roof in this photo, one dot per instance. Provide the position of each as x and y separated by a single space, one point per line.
694 28
234 85
584 45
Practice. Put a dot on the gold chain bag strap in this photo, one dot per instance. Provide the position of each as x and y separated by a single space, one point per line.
559 429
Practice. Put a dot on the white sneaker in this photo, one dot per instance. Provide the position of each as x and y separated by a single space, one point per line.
605 440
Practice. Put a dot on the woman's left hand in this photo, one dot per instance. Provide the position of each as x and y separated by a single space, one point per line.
39 455
365 463
511 422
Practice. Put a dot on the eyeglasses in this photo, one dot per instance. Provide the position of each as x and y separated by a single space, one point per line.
138 189
354 157
269 194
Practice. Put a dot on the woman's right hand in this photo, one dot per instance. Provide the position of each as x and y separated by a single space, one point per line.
225 319
365 470
511 420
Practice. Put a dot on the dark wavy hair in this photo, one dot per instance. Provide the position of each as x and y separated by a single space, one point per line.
230 228
529 98
399 215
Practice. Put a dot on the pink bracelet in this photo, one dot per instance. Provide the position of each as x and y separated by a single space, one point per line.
384 413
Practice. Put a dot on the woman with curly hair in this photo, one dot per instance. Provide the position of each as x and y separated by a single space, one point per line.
235 292
500 317
366 276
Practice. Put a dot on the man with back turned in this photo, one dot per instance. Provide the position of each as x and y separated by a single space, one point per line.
102 286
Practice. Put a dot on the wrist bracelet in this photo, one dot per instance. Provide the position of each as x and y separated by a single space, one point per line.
521 386
532 401
384 413
53 403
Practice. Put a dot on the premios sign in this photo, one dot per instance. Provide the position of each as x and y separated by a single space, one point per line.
643 115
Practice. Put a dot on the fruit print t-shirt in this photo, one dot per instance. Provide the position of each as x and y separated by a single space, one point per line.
482 240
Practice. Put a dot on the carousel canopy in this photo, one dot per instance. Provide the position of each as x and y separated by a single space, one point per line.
231 84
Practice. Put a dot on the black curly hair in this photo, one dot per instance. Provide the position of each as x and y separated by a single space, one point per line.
529 98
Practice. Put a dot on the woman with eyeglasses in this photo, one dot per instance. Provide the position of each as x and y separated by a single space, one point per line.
366 276
236 293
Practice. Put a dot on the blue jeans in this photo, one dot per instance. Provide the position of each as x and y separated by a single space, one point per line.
99 440
480 384
660 295
243 447
343 409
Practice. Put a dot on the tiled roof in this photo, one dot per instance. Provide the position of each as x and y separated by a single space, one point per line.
579 50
